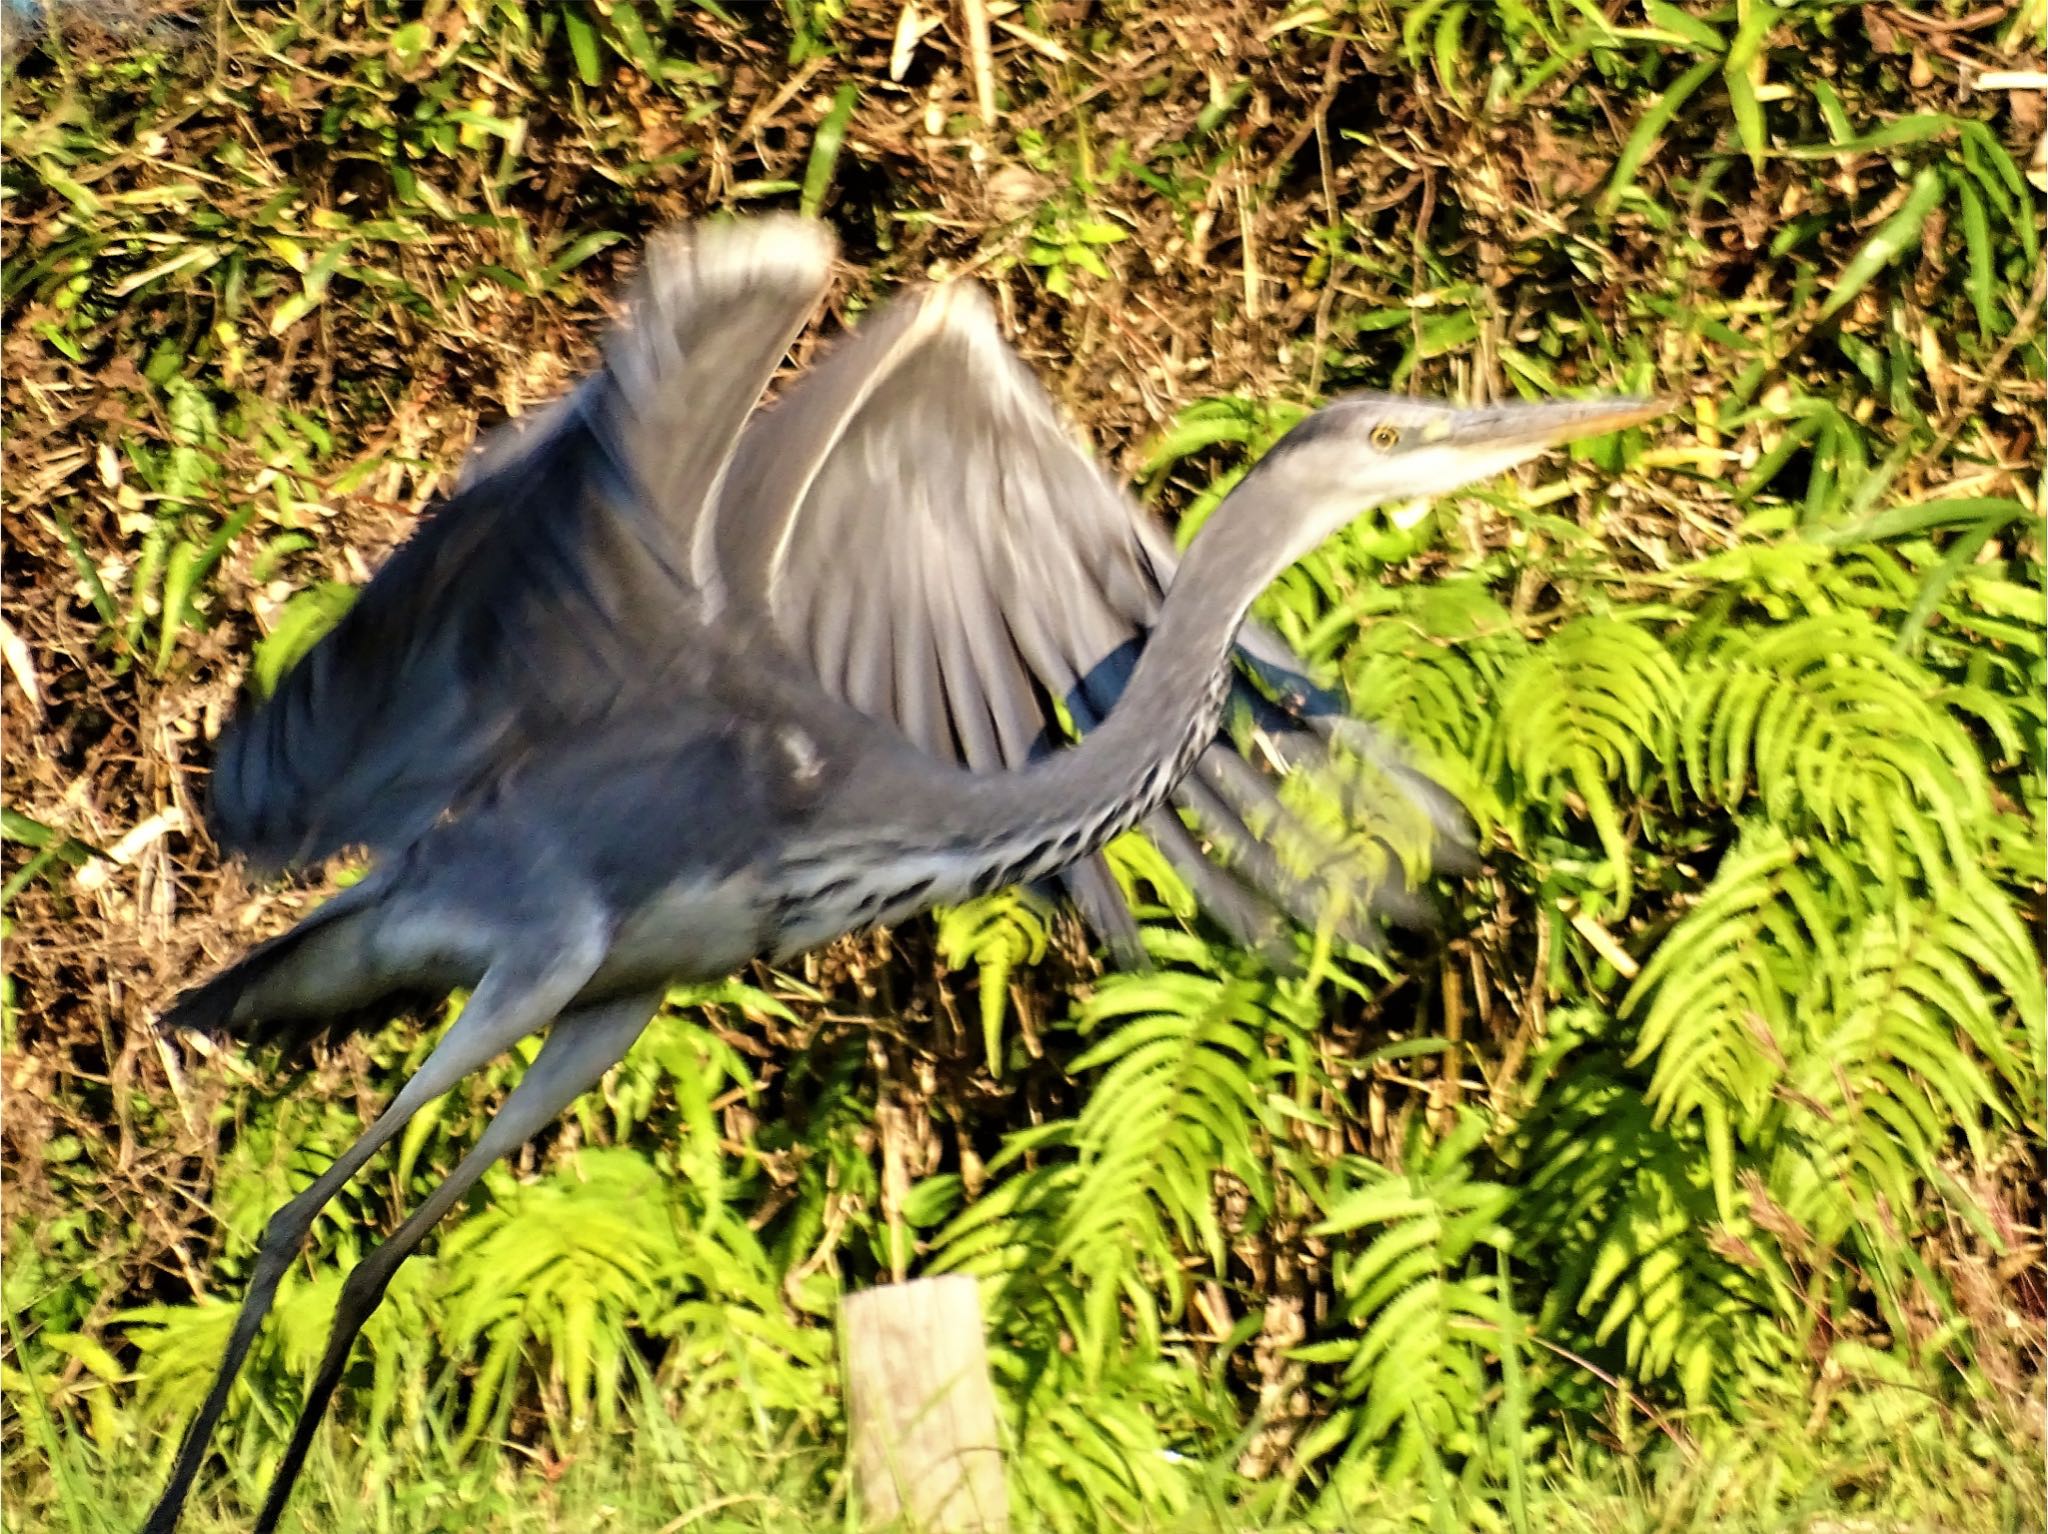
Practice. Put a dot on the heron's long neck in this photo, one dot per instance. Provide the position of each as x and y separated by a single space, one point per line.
1069 804
939 833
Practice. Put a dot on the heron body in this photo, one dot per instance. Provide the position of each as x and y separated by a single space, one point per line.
672 683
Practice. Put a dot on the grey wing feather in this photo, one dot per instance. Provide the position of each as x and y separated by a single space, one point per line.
916 525
560 573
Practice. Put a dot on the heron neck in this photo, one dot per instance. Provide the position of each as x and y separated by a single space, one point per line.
1071 803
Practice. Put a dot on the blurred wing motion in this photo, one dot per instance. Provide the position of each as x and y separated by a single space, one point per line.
916 524
911 530
555 577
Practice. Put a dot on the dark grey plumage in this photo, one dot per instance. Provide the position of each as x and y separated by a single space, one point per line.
670 684
912 524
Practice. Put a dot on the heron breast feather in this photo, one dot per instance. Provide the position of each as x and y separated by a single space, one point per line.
695 928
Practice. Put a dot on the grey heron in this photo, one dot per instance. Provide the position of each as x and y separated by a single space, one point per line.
673 682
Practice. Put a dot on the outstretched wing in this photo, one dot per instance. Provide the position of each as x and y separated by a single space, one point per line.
918 527
558 575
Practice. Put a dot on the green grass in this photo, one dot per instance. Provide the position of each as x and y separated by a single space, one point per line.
716 1475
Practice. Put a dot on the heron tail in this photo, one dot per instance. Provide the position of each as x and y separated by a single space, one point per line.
318 978
214 1006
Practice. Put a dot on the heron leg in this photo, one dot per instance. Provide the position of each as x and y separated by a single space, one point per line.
580 1047
514 999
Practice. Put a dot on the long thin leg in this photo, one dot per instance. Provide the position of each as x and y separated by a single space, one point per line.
515 998
580 1048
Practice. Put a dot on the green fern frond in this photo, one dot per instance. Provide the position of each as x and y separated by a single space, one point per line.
1427 1315
1584 711
1627 1205
561 1267
1853 1027
995 933
1833 730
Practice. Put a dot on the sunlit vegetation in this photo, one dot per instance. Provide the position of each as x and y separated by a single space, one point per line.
1691 1183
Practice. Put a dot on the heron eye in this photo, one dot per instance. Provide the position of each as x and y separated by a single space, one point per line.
1384 436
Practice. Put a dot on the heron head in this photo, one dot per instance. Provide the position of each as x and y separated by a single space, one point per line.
1363 450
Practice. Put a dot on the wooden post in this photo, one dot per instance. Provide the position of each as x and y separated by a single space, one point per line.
922 1413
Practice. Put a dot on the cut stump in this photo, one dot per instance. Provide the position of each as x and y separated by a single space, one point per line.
921 1412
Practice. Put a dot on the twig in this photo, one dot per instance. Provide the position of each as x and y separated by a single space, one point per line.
1656 1418
22 665
1605 945
974 16
1320 121
1966 409
129 847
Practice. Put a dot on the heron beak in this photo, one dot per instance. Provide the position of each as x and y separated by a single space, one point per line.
1550 422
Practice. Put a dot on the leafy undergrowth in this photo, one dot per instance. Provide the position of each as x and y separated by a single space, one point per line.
1691 1181
705 1465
